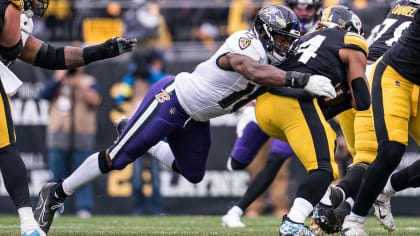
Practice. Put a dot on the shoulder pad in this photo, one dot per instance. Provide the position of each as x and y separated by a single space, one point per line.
356 41
244 42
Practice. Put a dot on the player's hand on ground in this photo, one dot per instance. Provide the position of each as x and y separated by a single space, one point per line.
320 86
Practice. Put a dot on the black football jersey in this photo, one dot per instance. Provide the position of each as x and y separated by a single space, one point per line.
404 55
318 53
397 20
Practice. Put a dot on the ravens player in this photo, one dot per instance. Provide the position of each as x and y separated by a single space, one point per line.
358 129
251 138
395 93
180 107
338 51
16 42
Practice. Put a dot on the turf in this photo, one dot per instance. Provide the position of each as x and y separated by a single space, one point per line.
179 225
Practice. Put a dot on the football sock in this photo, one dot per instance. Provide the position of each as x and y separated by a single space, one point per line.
86 172
300 209
376 176
350 201
407 177
27 220
325 200
163 153
235 210
261 181
352 179
14 176
388 189
313 187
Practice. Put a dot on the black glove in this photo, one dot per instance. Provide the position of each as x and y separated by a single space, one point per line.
111 48
119 45
296 79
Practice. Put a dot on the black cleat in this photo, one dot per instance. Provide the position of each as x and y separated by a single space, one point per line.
47 205
325 217
120 124
342 211
336 196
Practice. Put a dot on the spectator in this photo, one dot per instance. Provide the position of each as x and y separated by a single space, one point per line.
71 130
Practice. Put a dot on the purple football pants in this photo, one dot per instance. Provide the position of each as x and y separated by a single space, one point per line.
160 115
253 138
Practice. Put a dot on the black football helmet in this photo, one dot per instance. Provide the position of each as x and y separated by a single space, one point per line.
341 17
275 25
38 7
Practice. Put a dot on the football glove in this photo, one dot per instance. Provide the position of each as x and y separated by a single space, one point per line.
120 45
111 48
320 86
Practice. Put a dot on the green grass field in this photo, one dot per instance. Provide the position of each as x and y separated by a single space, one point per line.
180 225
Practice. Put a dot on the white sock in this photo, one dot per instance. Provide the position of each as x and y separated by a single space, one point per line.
326 198
27 220
358 218
163 153
236 211
388 189
350 201
86 172
301 209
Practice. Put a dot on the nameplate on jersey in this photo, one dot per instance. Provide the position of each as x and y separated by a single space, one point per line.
244 42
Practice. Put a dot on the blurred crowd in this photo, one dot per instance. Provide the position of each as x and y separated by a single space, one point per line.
163 22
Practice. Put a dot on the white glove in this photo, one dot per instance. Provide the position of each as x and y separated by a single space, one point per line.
320 86
26 23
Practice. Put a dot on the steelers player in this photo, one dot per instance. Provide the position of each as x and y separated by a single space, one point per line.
395 94
357 127
16 41
338 51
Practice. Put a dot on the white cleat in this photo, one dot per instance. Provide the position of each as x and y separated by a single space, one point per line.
382 211
232 219
353 226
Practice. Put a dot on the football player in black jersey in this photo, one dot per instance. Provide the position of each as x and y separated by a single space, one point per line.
358 130
16 41
395 92
338 51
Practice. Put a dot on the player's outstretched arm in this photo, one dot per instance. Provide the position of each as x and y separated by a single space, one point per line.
47 56
272 76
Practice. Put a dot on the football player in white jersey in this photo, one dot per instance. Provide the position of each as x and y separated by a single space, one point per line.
179 107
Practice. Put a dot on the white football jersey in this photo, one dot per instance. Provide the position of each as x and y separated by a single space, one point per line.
210 91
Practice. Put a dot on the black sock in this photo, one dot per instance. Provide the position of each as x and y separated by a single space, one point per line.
376 176
314 186
352 179
14 176
407 177
59 191
261 181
